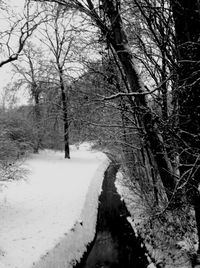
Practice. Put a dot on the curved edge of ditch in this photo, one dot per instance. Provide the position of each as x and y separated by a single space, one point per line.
71 247
115 244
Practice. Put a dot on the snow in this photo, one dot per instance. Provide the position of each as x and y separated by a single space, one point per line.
166 257
48 219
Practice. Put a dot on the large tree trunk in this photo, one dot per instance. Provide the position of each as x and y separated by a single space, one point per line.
118 40
187 25
37 119
65 115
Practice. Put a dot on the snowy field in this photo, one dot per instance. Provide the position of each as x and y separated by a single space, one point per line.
47 220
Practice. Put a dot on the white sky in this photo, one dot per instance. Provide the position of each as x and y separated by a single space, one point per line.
16 3
6 74
5 71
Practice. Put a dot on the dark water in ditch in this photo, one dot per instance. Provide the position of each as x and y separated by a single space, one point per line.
115 244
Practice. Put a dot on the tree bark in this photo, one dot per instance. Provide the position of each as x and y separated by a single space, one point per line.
118 40
37 118
65 115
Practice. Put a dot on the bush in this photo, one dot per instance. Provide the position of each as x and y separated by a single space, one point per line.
15 143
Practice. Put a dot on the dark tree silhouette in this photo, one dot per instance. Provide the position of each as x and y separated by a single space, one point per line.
187 26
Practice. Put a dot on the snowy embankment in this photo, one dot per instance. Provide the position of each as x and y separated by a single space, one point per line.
48 219
166 257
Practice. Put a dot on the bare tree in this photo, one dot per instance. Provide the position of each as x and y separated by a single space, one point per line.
59 38
19 29
31 73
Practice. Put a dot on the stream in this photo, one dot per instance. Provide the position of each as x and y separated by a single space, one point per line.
115 244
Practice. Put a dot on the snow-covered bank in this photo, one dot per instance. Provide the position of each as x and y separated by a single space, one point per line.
164 256
48 220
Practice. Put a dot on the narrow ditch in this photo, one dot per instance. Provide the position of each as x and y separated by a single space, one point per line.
115 244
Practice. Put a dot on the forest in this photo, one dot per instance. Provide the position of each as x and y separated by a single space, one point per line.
124 75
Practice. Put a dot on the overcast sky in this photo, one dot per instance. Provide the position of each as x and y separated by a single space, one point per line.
5 71
6 75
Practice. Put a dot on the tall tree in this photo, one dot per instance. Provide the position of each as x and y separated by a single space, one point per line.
32 73
59 39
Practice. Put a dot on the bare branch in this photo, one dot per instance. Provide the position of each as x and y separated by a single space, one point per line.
133 94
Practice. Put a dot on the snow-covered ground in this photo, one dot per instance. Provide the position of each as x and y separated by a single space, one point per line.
48 219
162 256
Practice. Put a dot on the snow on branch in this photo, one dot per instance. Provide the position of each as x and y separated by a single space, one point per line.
133 94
